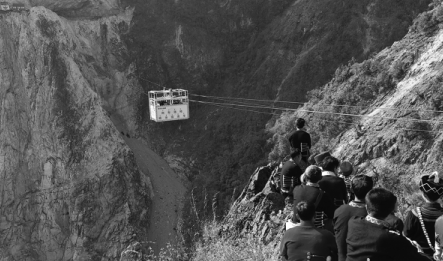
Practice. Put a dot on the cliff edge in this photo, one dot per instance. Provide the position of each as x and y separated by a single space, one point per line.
70 187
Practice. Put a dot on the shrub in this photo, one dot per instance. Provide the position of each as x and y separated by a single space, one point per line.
212 247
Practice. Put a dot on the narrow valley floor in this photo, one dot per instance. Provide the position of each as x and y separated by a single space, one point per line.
168 195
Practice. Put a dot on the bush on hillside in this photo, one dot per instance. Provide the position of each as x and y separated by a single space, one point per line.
212 247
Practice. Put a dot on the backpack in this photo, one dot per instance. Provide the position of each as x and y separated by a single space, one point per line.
276 178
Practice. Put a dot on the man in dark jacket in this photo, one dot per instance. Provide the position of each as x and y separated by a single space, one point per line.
291 173
331 183
369 237
300 137
360 185
305 241
311 193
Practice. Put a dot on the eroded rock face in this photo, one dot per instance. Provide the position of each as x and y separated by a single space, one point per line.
80 8
70 188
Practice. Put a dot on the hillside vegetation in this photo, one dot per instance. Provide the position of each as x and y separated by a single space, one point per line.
389 144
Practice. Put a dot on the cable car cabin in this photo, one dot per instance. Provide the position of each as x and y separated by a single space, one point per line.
169 105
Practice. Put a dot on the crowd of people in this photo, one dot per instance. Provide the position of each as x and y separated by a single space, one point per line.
339 214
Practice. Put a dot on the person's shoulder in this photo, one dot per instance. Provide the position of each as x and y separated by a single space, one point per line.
287 164
347 210
391 236
325 233
292 133
356 220
341 210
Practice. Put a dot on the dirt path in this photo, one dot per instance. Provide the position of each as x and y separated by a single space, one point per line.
169 191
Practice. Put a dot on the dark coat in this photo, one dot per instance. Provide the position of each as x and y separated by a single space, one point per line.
336 188
341 218
290 175
310 194
300 240
367 240
298 137
413 230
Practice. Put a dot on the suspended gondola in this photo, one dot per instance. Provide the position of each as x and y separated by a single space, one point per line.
169 105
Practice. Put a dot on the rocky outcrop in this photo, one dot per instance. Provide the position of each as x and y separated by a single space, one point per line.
80 8
70 188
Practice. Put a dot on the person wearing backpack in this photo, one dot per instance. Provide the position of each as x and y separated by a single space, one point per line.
331 183
311 193
290 173
305 241
301 139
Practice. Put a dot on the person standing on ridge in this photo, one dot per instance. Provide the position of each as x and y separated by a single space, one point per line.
360 186
331 183
291 173
306 241
420 221
301 139
311 193
345 171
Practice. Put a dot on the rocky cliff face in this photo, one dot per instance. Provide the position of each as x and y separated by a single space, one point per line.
396 138
80 8
273 50
70 188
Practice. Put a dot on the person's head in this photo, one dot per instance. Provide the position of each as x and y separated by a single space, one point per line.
330 164
346 168
296 155
380 202
361 185
431 187
313 174
305 211
300 123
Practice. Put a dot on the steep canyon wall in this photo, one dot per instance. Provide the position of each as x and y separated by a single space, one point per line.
70 188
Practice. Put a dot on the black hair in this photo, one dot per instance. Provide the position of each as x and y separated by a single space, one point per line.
380 202
295 153
305 210
300 123
313 174
330 163
361 185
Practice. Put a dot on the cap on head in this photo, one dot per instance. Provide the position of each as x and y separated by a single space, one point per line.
320 157
431 186
346 168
